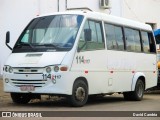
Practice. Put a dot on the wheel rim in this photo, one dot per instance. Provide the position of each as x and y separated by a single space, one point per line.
80 94
140 90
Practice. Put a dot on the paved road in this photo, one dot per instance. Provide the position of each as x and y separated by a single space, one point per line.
151 102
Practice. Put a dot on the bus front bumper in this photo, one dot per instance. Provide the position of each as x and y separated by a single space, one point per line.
34 83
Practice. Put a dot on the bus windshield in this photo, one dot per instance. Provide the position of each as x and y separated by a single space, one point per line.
56 32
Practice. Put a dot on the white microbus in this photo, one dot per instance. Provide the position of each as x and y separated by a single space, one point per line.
81 53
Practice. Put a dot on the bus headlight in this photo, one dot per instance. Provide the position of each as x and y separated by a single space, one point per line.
8 69
48 69
56 68
60 68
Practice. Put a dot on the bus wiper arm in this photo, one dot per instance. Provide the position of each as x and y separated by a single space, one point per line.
49 45
31 45
28 44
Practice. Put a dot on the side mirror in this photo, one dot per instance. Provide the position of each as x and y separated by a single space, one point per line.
8 40
87 37
7 37
88 34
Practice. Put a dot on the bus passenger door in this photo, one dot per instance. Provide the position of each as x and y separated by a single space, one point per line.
90 60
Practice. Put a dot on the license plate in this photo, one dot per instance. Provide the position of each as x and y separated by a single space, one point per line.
27 88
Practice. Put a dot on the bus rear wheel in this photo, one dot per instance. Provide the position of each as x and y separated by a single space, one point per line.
79 95
137 94
21 98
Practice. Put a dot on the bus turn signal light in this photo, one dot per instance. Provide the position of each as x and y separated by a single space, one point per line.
64 68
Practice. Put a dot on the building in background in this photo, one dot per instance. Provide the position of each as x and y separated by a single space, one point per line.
15 14
142 10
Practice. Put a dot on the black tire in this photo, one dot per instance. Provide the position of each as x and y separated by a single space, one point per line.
137 94
79 95
21 98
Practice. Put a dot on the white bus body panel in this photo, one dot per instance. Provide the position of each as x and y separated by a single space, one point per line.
35 59
19 61
106 71
115 71
63 85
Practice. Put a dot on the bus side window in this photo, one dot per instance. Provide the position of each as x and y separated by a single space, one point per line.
119 38
129 37
110 37
97 41
148 42
133 40
145 42
114 37
82 42
152 43
137 41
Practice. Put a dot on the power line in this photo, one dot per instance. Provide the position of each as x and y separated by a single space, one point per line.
131 10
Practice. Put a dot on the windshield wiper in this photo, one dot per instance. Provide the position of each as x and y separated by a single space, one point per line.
49 45
30 45
24 44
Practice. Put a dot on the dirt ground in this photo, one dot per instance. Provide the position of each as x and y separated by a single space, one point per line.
109 103
3 96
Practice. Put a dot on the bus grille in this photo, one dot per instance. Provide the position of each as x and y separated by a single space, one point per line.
28 70
35 83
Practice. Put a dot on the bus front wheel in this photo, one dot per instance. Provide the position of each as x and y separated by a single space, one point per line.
21 98
137 94
79 95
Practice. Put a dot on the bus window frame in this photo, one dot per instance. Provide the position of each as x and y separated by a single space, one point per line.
123 35
148 32
102 32
141 43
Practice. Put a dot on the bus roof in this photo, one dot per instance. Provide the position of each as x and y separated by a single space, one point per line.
107 18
